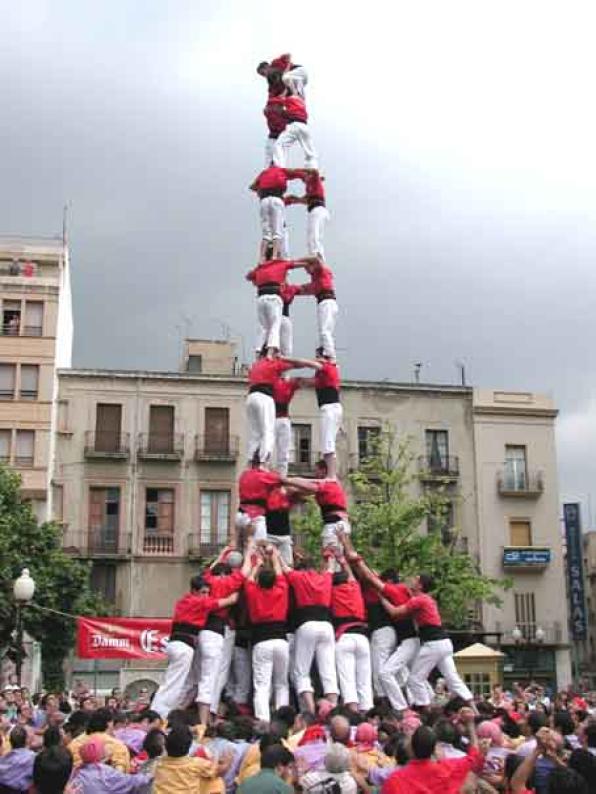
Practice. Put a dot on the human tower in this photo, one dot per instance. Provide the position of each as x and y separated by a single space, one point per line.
237 628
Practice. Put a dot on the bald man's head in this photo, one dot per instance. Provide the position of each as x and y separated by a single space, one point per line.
340 729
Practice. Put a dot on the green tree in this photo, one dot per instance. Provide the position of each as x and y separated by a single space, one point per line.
61 583
387 515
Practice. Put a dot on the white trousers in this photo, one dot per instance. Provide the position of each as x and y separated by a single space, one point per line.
283 444
296 80
269 309
352 655
284 248
285 545
209 654
326 318
224 665
272 218
382 645
330 534
396 670
437 653
295 132
312 639
238 687
330 417
170 694
286 337
260 420
316 220
270 667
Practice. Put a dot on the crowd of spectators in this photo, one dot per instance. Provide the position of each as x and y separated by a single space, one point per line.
513 742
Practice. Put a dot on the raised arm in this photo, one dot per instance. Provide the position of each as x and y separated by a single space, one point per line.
247 562
291 199
345 566
301 484
299 363
276 561
228 601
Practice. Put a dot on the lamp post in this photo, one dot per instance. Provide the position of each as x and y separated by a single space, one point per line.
539 637
23 590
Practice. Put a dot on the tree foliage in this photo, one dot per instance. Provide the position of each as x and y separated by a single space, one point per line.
61 583
388 514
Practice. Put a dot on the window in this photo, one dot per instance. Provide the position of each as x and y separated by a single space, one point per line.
215 517
516 470
5 439
437 450
161 428
195 364
104 519
441 520
29 385
368 440
302 453
33 318
217 430
11 318
103 581
58 503
159 511
520 532
25 447
525 614
479 683
108 418
7 381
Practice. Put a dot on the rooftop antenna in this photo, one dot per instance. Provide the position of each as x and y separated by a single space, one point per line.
462 369
417 367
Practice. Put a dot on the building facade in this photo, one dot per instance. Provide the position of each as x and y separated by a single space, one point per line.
35 339
147 464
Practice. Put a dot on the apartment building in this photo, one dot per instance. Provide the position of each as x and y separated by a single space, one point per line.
35 339
147 464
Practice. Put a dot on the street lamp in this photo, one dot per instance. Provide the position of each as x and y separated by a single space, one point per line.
23 590
531 644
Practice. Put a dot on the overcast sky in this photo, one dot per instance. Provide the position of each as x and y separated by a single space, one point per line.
457 139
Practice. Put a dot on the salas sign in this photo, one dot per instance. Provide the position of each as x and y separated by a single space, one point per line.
122 638
575 571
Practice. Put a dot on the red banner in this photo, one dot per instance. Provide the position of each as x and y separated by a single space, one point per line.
122 638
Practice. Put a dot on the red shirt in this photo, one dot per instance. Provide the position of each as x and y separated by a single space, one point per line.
272 178
397 594
194 609
327 375
267 605
275 116
428 777
320 281
312 181
284 389
267 371
295 109
273 271
278 499
256 485
288 292
347 601
310 588
330 492
224 586
423 608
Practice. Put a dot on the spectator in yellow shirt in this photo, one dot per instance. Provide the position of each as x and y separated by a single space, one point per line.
178 773
100 726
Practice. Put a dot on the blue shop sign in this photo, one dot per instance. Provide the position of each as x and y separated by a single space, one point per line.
526 557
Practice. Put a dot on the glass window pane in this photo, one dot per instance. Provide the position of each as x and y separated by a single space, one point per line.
29 381
33 318
5 445
7 381
25 447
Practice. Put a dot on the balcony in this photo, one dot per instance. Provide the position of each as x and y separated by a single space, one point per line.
526 558
107 445
97 543
216 450
533 633
196 549
158 545
444 468
168 447
520 484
